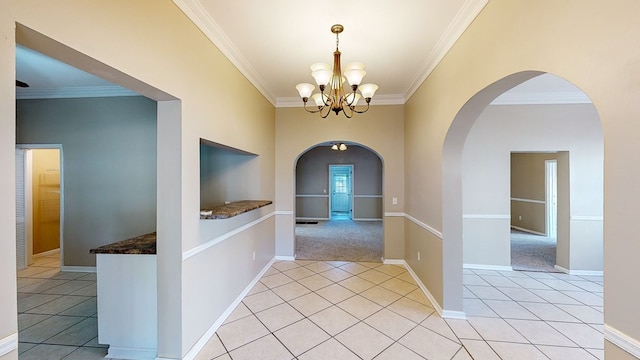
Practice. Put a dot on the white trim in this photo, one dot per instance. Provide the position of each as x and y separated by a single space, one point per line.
424 289
486 216
468 12
529 200
435 232
587 218
131 353
312 196
450 314
285 258
367 196
579 272
200 344
542 98
47 253
394 214
201 18
81 269
311 219
622 340
8 344
74 92
202 247
528 230
487 267
387 99
394 262
284 212
367 219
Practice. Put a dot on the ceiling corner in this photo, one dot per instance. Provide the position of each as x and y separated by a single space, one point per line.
465 16
197 13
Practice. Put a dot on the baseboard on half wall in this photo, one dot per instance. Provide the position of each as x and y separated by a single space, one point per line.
285 258
487 267
579 272
83 269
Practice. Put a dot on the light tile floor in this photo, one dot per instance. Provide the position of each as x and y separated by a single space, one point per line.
342 310
57 313
312 310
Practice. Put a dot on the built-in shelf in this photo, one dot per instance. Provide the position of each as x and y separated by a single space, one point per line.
232 209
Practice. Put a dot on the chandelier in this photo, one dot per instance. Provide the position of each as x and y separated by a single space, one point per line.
335 98
339 146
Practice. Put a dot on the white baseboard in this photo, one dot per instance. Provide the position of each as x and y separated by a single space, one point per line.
394 262
528 231
622 340
132 354
449 314
579 272
8 344
487 267
83 269
199 345
424 289
285 258
47 253
311 219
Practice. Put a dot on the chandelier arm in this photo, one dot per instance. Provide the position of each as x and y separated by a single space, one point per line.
361 111
349 114
325 114
312 111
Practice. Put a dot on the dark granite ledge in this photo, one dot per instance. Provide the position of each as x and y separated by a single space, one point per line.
143 244
233 209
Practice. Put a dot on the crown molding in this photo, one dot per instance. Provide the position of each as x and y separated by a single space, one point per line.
196 12
395 99
74 92
541 98
468 12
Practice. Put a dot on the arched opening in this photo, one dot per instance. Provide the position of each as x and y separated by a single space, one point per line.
564 306
339 203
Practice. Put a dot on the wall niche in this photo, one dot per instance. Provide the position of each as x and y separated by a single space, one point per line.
229 181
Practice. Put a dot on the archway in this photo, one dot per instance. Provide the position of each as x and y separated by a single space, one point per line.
339 203
452 188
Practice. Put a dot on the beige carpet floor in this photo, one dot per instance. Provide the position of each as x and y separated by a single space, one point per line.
532 252
342 240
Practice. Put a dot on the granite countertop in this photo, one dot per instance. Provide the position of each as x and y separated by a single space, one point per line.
143 244
233 209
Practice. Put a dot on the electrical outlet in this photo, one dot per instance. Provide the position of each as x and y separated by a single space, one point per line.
395 201
519 217
254 256
418 255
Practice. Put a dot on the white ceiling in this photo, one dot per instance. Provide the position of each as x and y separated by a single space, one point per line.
273 43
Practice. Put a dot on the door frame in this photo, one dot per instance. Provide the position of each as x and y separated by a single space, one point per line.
28 209
351 187
551 191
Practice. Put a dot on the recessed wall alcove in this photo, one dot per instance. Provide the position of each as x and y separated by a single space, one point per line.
229 181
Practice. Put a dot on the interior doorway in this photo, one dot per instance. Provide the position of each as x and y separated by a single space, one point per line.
39 202
341 187
551 201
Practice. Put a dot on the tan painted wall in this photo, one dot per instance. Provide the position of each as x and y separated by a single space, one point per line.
149 46
381 129
528 181
591 45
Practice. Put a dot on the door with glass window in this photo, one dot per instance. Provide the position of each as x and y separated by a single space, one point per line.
341 191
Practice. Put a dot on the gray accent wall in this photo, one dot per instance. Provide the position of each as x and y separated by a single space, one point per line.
312 181
109 164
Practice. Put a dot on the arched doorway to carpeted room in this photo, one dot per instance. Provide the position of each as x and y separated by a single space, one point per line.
339 203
